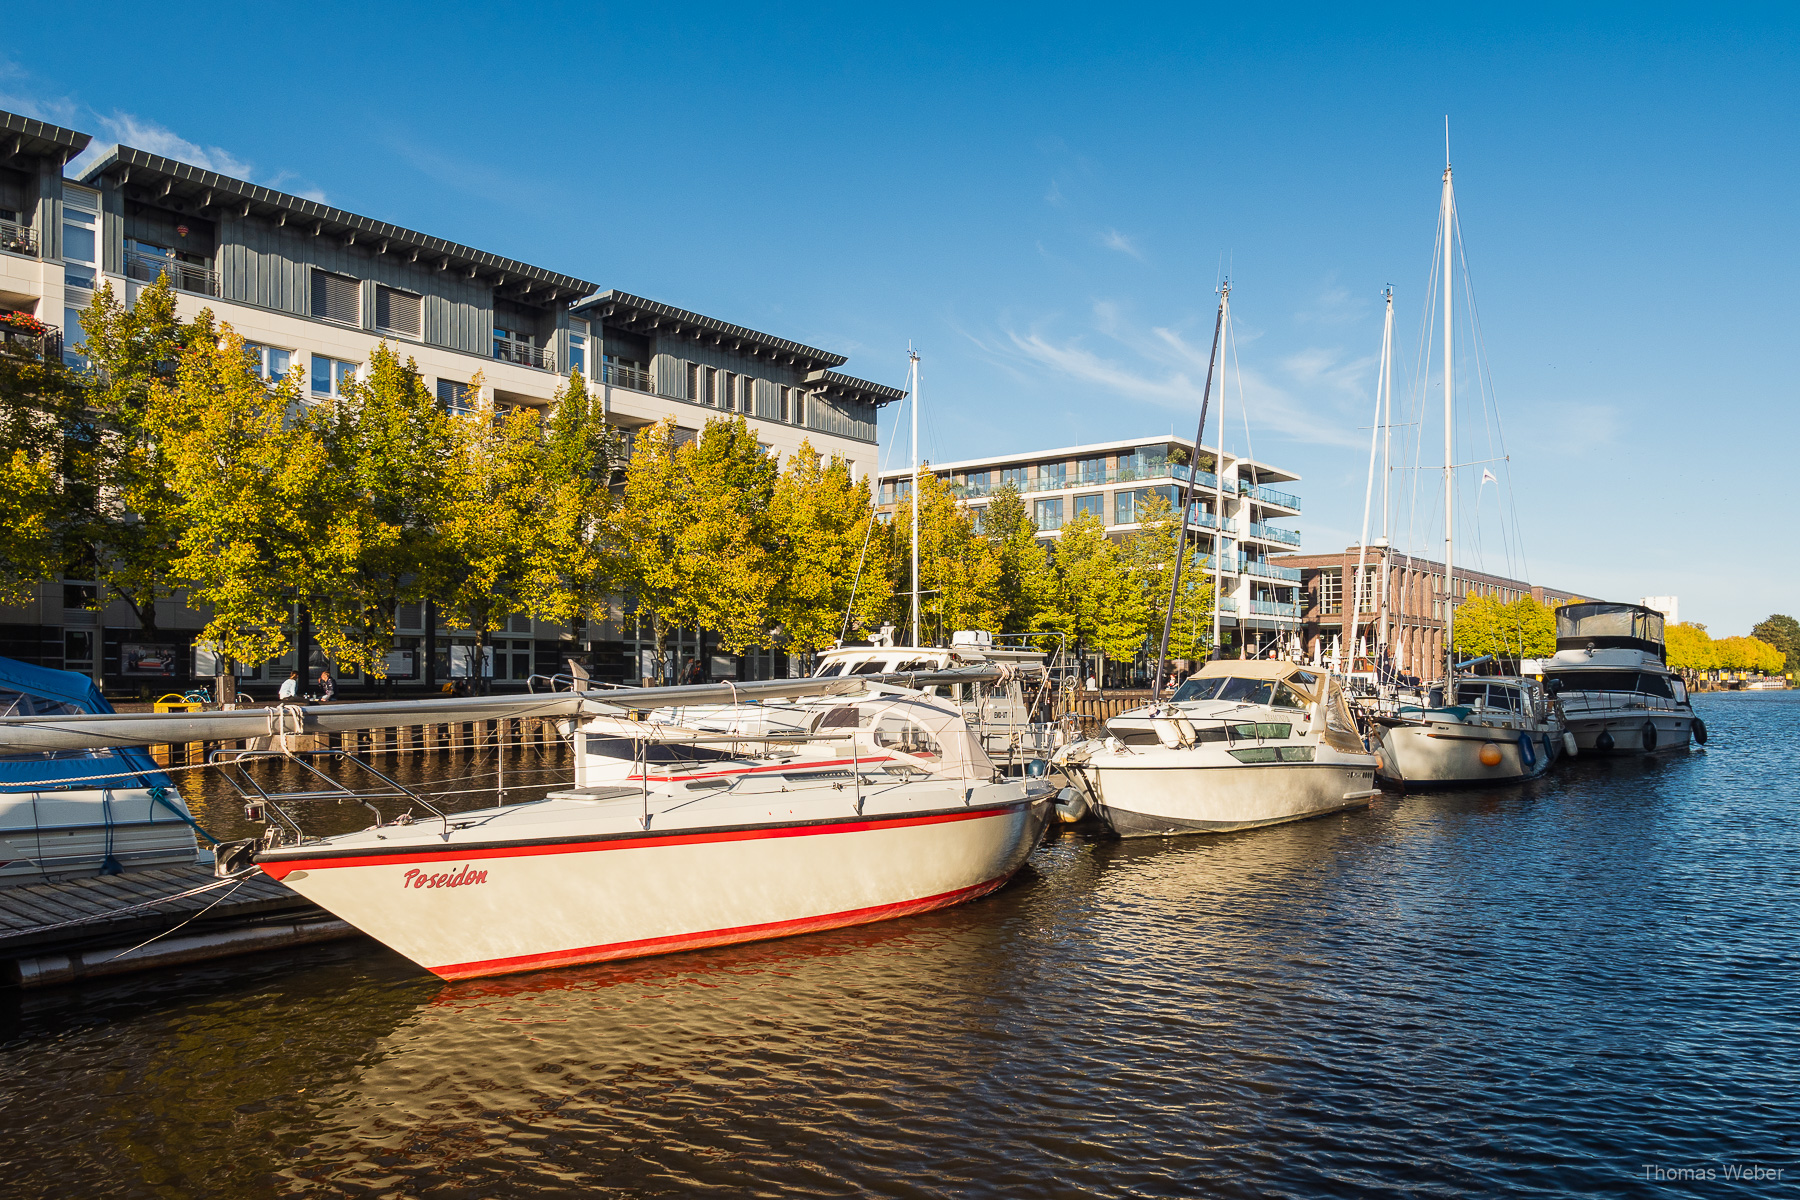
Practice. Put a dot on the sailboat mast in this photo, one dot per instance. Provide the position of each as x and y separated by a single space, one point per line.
1448 218
1218 544
1362 542
1386 407
1187 493
914 388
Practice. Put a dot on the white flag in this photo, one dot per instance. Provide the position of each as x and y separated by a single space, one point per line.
1487 477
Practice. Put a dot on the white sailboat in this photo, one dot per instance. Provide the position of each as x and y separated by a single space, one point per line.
1240 745
1472 729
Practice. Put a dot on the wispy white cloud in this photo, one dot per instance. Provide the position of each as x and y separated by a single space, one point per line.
19 94
1334 304
1302 396
1112 239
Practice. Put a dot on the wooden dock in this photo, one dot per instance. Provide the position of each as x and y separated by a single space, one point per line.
77 929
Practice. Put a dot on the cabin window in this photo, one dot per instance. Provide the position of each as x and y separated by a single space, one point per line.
908 737
1287 697
1219 687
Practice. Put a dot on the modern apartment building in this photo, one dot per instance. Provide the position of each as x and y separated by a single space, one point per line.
1234 513
1418 603
313 289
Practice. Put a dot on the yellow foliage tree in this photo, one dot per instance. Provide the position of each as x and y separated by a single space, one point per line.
959 570
820 522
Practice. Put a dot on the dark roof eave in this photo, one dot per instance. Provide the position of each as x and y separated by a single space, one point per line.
41 138
686 321
136 164
876 393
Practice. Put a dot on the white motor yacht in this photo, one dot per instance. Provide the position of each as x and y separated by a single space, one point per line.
1240 745
1611 675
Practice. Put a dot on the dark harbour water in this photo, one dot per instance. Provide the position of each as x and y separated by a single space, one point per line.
1541 990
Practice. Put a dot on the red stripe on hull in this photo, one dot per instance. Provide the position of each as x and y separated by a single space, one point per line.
676 943
281 869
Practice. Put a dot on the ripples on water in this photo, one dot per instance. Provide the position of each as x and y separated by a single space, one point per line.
1531 990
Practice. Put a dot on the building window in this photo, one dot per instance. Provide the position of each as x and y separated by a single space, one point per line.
799 407
1048 514
267 361
74 338
1331 590
578 347
1090 470
746 395
1125 508
79 247
1091 506
330 375
693 391
1014 476
781 401
729 392
1052 475
396 311
336 297
455 398
711 398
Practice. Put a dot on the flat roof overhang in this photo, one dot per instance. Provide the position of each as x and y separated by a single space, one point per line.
26 137
153 179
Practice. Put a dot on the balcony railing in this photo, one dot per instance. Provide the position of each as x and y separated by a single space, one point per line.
1228 604
524 353
20 239
1207 563
183 276
46 345
636 379
1269 570
1201 519
1269 495
1274 608
1274 533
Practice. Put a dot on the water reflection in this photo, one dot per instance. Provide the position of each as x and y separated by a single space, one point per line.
1481 992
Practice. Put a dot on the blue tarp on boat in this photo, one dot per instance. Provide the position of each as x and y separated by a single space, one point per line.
26 691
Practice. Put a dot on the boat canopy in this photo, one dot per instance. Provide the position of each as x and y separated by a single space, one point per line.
32 691
934 737
1601 626
1339 727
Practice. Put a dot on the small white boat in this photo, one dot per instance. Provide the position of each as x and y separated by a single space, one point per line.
76 812
1496 730
1610 674
1240 745
674 839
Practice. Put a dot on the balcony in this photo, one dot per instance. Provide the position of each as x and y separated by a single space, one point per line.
1228 604
1209 563
1274 533
1274 608
183 276
36 338
1199 518
1269 570
636 379
1268 495
19 239
523 353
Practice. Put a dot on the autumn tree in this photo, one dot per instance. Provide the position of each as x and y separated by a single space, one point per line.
1027 581
959 570
1690 647
579 455
389 450
821 520
1522 629
1782 632
255 509
1095 602
44 442
726 544
1148 556
133 521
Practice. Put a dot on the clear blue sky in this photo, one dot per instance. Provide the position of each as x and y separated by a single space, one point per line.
1041 198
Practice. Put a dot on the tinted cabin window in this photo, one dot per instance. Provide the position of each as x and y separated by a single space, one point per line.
1656 685
1287 697
1596 681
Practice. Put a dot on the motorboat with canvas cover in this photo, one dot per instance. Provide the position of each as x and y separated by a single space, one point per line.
1493 730
1611 674
73 812
1241 744
675 839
